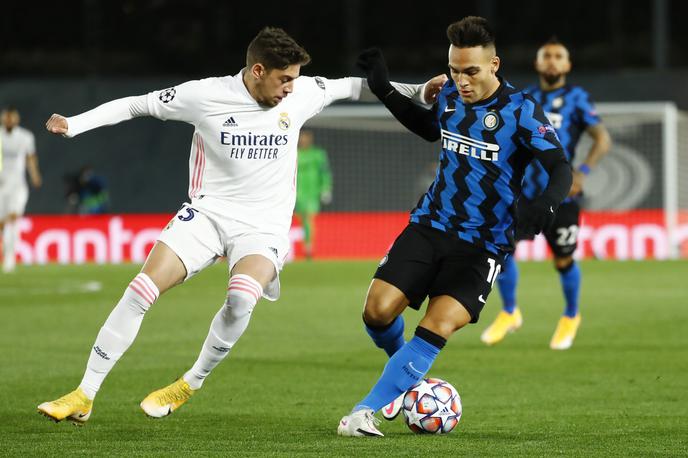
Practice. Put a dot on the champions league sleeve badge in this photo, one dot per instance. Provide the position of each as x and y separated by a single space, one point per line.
283 122
491 121
167 95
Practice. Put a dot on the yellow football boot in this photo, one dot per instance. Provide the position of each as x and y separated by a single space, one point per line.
504 323
166 400
74 406
565 333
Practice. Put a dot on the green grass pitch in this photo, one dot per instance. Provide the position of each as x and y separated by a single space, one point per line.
622 390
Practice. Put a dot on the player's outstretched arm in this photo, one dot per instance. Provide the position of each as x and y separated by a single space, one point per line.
106 114
418 120
179 103
422 94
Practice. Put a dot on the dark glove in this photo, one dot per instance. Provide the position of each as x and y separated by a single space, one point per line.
372 62
534 218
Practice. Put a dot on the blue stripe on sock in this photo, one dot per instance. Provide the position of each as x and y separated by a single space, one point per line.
403 370
570 284
391 338
507 281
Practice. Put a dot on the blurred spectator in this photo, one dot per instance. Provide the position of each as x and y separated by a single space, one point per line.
86 192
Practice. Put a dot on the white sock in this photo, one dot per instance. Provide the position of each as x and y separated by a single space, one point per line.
118 332
226 328
9 240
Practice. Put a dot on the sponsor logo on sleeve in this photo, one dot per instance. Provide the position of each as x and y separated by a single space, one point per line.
544 128
167 95
319 81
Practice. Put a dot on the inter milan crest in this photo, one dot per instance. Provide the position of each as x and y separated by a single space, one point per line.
490 121
283 121
167 95
558 102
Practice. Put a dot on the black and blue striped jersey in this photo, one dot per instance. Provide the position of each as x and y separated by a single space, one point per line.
570 111
485 149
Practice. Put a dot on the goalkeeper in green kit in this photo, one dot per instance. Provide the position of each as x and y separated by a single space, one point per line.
313 185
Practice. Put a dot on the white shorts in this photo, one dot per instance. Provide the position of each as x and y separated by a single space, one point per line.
13 198
199 234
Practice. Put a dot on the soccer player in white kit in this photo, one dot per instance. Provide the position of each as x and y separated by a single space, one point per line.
17 154
242 187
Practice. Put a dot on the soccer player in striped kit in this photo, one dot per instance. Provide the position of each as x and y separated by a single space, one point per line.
572 113
242 171
463 226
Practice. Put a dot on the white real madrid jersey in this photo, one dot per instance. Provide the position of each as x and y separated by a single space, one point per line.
15 145
243 155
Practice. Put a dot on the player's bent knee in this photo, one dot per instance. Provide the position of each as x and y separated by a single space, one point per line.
384 302
442 328
238 305
164 267
243 293
379 310
141 294
445 316
377 313
256 266
237 308
563 263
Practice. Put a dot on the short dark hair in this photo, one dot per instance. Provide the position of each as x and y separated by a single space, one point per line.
274 48
469 32
553 40
10 109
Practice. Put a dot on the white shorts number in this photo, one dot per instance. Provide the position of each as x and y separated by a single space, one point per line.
567 235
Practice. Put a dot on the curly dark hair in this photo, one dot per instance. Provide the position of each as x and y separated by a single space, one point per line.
275 49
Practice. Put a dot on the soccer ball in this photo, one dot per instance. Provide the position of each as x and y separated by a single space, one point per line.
432 406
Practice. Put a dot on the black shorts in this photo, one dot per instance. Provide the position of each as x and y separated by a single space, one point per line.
426 262
562 235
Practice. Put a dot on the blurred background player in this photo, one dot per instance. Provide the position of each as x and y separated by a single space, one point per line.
313 186
571 112
453 247
17 154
